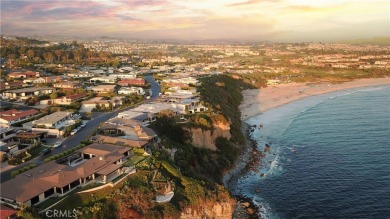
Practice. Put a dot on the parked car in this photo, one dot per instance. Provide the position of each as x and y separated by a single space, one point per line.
45 151
74 132
57 144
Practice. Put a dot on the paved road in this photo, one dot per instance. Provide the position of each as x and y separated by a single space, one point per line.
83 134
155 87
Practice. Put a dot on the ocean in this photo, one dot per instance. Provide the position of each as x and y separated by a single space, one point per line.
329 157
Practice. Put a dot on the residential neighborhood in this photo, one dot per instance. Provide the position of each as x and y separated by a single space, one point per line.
89 122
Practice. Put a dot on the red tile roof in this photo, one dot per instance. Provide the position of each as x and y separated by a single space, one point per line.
75 96
139 81
14 114
27 73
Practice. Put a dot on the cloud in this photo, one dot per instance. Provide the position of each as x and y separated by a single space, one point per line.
251 2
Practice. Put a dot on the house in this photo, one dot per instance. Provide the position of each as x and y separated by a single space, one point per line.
66 100
54 124
14 116
12 85
131 90
25 93
29 137
128 82
105 80
7 213
89 105
21 75
43 80
126 76
140 117
55 120
103 89
125 132
119 141
93 163
176 84
67 85
131 127
7 133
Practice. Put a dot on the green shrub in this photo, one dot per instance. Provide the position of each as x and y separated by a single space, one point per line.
14 173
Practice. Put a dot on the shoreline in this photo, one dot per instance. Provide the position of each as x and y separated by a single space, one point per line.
258 101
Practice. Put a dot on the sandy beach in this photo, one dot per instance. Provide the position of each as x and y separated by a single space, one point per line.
257 101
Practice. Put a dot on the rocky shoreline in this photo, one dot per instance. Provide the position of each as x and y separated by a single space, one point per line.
250 156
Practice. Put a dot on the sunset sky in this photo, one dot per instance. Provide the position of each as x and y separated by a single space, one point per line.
255 20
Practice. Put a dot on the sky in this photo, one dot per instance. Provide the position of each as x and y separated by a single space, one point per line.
246 20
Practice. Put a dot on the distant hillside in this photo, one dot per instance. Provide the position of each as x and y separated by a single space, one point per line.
383 41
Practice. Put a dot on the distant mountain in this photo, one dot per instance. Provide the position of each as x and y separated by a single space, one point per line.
383 41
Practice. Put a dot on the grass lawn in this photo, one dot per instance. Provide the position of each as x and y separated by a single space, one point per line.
84 199
134 160
53 200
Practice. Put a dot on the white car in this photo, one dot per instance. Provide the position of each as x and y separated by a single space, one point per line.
83 125
57 144
74 132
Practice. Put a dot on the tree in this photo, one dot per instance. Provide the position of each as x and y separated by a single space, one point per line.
58 54
30 54
53 95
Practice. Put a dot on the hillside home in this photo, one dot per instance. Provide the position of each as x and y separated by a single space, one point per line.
94 163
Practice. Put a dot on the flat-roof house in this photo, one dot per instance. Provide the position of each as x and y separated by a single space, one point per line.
13 116
95 162
124 75
7 133
106 80
139 117
55 120
24 93
103 88
131 90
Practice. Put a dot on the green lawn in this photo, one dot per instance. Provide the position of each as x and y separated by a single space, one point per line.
134 160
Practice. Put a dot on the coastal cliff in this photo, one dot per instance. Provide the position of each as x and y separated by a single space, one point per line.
215 210
207 138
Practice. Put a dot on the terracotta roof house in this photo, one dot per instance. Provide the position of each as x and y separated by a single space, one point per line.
7 213
27 74
128 82
95 162
13 116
